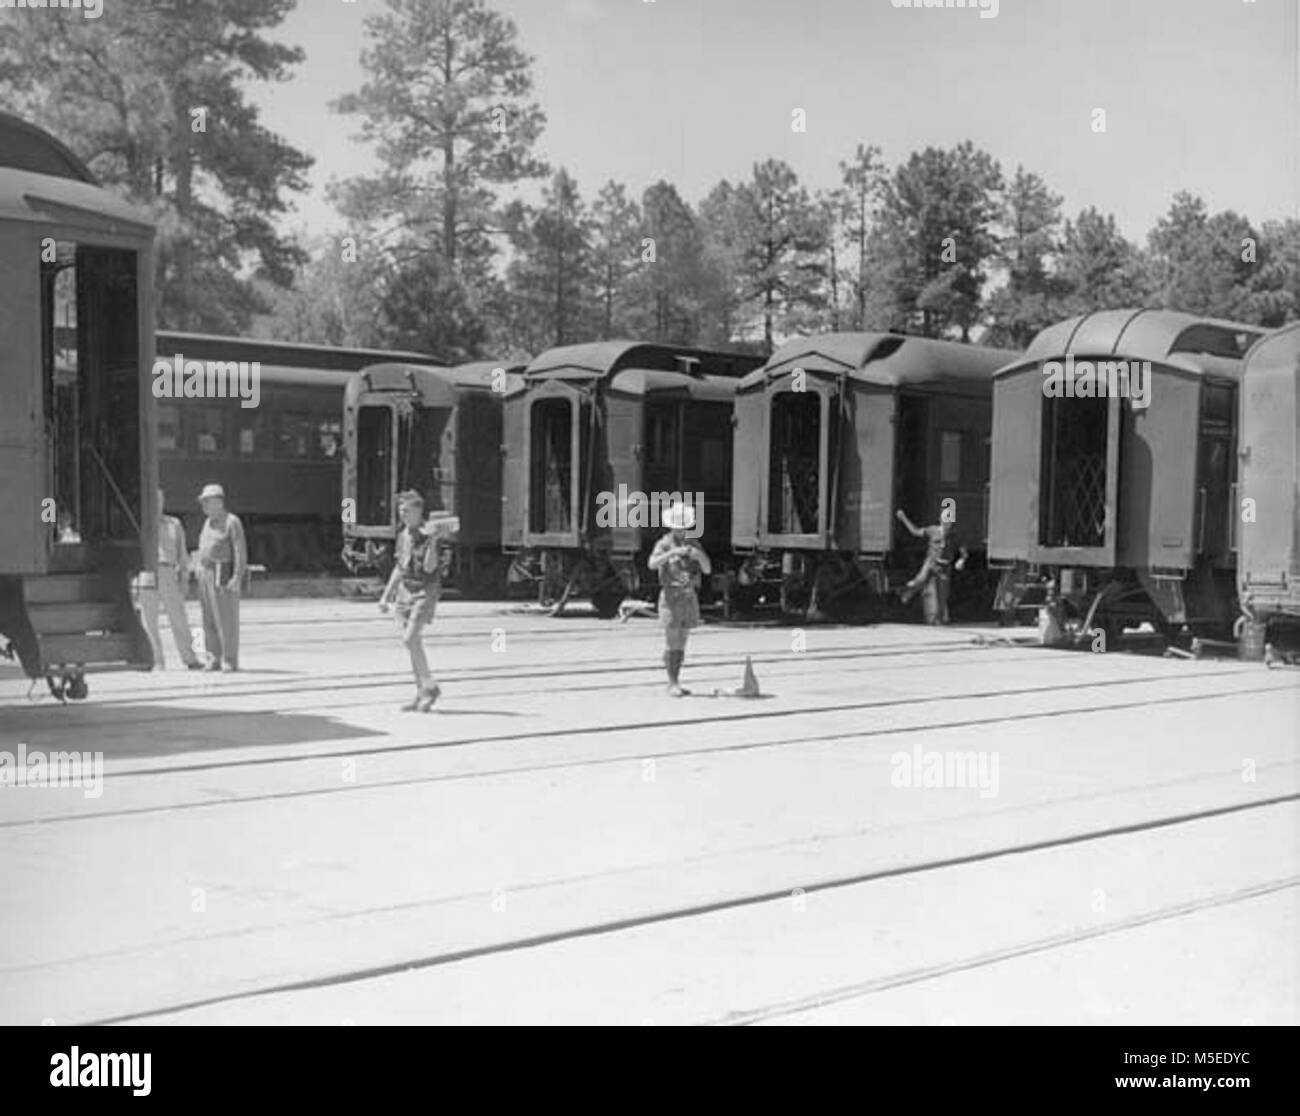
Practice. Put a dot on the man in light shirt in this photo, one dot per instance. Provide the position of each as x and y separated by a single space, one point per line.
173 573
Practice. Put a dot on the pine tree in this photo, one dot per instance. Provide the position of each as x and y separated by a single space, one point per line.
447 103
152 98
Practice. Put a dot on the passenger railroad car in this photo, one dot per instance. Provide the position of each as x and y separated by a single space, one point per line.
438 431
1119 500
598 439
78 473
837 432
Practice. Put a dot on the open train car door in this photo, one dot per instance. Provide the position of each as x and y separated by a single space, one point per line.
22 440
628 458
1266 512
748 420
867 469
514 466
1015 462
557 412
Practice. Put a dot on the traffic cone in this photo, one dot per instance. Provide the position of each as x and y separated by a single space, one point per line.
749 687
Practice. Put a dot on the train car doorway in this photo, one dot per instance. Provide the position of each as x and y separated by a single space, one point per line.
794 464
1074 471
91 385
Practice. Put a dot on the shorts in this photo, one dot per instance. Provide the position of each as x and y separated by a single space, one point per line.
418 603
679 608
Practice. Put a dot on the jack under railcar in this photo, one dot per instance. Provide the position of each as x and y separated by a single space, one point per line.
79 473
834 434
1114 469
1268 504
599 440
438 431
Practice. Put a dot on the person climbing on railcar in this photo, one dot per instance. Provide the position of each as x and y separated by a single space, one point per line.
934 578
680 563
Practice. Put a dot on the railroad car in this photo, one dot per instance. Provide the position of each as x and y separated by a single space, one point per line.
438 431
1114 495
599 440
1267 509
834 434
78 496
281 461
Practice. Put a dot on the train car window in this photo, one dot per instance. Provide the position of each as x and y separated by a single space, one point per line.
1218 404
950 451
294 438
329 438
169 427
253 441
661 439
209 426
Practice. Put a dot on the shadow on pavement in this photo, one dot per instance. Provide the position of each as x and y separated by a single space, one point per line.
132 731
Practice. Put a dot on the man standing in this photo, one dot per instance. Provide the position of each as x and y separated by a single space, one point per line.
173 575
223 558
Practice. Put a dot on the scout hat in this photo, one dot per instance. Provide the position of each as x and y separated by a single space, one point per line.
679 517
210 490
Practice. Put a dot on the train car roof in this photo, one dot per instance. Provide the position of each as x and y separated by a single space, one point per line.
705 388
1275 354
605 359
1202 346
287 354
47 184
437 387
25 147
886 359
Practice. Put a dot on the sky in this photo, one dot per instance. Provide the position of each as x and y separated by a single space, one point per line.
1198 95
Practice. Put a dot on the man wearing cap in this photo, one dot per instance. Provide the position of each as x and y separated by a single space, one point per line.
679 561
173 572
223 558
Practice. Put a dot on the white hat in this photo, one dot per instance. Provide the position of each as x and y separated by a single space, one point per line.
680 517
210 490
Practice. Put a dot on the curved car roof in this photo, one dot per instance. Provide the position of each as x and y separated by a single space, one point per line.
1275 354
1200 345
287 354
887 359
25 147
604 359
437 387
47 184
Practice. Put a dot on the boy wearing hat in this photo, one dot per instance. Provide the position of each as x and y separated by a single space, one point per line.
680 562
223 558
417 582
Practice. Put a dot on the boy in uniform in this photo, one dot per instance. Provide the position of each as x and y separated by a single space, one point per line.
680 562
416 581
